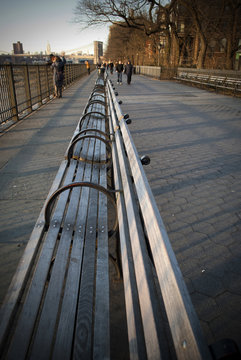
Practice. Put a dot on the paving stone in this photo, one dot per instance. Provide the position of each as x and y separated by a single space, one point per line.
206 307
208 284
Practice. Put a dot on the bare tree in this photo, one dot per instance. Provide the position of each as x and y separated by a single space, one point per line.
233 30
207 20
145 15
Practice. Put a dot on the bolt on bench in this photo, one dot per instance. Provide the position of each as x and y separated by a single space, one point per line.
57 306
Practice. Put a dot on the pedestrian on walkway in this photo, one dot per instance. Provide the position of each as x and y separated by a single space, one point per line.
87 67
111 66
128 71
58 74
119 69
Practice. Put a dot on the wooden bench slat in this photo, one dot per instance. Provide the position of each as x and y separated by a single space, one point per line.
83 339
149 305
135 330
46 327
101 350
69 299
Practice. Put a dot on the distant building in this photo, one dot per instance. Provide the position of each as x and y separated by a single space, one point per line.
98 51
48 50
18 48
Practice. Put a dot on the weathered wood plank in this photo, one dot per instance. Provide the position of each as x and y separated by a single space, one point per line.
84 323
101 344
148 299
137 347
47 322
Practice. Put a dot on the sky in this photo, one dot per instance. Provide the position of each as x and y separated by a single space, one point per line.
36 22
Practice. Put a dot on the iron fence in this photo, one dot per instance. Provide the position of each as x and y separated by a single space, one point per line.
23 88
153 71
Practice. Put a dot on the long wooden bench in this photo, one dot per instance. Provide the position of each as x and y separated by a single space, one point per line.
57 306
232 85
58 303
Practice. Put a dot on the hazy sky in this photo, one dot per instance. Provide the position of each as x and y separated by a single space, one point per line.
34 23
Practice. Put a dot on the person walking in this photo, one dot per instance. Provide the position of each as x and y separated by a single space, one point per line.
111 66
58 75
119 69
87 67
128 71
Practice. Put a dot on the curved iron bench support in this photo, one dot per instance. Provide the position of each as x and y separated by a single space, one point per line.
90 130
71 148
90 113
91 102
108 193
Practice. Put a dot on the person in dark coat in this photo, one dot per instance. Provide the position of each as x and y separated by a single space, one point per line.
119 69
58 74
128 71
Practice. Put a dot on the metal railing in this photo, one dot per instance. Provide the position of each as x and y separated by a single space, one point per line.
23 88
153 71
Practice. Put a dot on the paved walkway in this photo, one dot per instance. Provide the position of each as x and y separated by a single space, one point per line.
194 140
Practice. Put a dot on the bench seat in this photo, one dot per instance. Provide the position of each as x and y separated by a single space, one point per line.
58 304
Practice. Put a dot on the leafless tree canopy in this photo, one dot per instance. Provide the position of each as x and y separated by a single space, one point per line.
140 14
190 27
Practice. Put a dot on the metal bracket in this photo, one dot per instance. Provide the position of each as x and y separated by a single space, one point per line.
91 102
91 113
71 148
91 130
108 193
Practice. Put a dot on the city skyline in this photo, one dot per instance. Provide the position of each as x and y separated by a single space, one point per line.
35 24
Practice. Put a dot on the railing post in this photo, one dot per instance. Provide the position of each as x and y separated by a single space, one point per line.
47 82
67 74
27 88
12 93
50 79
38 85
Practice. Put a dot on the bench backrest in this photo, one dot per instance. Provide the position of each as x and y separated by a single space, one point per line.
149 265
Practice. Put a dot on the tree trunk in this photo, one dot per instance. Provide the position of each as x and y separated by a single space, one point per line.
175 51
196 48
231 39
202 52
229 58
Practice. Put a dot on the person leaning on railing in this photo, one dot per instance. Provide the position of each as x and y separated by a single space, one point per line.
58 74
